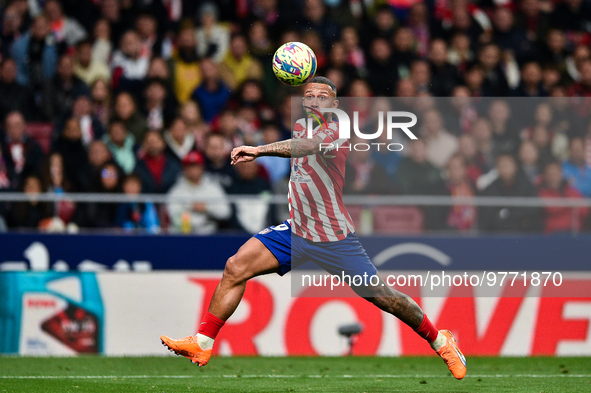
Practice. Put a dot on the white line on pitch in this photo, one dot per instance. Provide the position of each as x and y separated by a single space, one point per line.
286 376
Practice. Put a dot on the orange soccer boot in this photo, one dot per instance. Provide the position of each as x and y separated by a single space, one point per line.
189 348
452 356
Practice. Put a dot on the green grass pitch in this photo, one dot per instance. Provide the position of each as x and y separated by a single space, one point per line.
90 374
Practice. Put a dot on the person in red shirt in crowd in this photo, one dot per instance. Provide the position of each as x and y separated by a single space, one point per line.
157 170
560 218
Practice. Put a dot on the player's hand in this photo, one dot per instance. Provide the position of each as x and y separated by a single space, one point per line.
243 154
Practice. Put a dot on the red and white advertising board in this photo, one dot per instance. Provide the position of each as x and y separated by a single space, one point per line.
521 321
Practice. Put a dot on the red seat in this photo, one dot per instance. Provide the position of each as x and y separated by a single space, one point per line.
41 132
397 220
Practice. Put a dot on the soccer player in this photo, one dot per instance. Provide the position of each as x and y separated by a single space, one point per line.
319 229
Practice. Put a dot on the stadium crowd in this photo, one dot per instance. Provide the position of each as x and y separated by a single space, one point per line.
149 96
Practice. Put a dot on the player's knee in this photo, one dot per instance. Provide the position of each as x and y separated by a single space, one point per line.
236 270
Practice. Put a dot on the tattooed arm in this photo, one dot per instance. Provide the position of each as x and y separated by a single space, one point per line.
288 148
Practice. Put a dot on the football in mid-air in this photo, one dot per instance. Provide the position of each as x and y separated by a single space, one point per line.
294 63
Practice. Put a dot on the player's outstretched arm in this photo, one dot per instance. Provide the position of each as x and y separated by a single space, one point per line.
289 148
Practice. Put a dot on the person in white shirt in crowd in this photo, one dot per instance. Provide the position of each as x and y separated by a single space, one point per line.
213 39
128 65
64 29
179 140
86 67
201 217
441 145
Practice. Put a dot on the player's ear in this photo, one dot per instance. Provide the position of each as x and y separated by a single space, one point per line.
335 104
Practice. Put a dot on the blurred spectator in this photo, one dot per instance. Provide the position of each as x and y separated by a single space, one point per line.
63 28
213 94
474 79
217 160
468 151
90 125
316 18
62 90
529 157
403 51
185 64
582 88
420 75
35 55
505 137
56 182
576 172
531 81
495 81
12 24
558 218
509 37
157 170
238 65
510 183
261 45
417 176
13 96
464 114
554 52
103 215
460 54
227 125
353 50
102 47
441 145
86 67
418 21
179 141
159 107
572 16
250 216
460 217
197 217
129 65
277 167
533 18
30 213
151 42
121 145
195 124
382 25
213 38
579 55
116 18
379 66
127 113
75 157
5 176
98 155
541 139
133 216
101 101
362 174
23 156
444 76
379 53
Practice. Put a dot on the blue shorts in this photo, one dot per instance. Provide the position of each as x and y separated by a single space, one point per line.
345 256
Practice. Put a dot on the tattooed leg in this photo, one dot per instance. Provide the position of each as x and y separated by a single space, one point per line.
393 302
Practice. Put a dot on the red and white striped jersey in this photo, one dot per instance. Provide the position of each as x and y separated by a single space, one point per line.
316 205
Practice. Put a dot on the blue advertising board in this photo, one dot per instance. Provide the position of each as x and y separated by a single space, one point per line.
174 252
